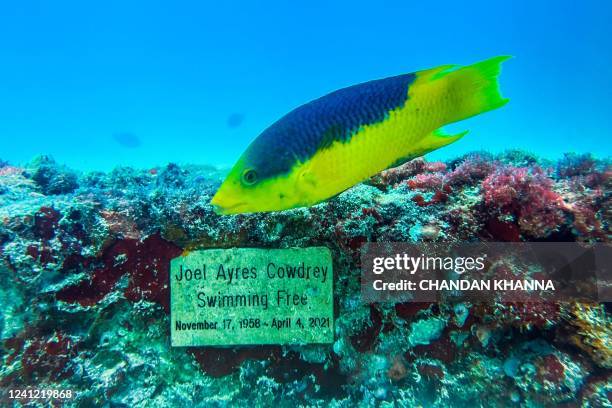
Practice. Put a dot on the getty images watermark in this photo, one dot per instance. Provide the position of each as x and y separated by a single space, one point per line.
486 272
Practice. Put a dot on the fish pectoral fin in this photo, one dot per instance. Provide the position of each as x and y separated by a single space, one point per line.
306 186
437 139
307 177
431 141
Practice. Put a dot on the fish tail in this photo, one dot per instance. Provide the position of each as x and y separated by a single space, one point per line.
473 89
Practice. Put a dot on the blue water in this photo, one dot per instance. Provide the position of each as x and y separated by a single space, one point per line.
144 83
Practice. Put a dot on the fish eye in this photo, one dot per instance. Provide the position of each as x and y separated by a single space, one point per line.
249 177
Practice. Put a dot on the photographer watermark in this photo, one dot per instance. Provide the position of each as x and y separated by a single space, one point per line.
489 272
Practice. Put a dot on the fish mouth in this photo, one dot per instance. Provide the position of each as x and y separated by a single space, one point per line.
226 209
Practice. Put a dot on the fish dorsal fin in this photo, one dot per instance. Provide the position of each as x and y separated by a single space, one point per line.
437 72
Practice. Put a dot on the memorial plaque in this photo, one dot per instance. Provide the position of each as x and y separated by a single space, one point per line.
240 296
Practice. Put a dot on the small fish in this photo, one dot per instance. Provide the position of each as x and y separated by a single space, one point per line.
127 139
235 120
326 146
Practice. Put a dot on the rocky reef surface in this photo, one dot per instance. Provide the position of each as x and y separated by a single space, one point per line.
85 295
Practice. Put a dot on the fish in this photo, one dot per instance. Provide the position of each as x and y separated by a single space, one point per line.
235 120
127 139
328 145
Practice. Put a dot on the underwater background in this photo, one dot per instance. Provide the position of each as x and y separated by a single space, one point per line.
146 83
117 124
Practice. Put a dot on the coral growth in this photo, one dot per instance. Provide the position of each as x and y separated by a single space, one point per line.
51 178
85 297
593 331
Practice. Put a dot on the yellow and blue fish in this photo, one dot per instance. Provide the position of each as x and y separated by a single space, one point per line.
326 146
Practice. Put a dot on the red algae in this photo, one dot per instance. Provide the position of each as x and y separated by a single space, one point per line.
46 222
147 264
149 276
442 349
48 359
527 194
366 337
503 231
551 369
409 310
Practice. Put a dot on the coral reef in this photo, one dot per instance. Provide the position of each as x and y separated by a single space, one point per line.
85 294
51 178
